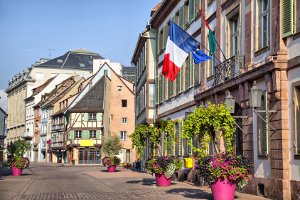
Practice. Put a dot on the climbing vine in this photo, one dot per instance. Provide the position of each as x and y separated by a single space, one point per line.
209 124
139 137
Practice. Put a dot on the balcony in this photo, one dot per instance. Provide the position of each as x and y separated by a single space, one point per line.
227 69
27 135
57 127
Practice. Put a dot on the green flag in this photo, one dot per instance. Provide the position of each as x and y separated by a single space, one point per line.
212 43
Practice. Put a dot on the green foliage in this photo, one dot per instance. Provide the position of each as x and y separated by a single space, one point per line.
204 124
111 146
139 137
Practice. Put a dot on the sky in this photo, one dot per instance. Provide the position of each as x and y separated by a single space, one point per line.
34 29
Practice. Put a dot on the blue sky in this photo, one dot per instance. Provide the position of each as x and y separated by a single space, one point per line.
29 28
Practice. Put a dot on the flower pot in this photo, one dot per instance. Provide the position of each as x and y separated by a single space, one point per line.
16 171
162 181
223 190
111 168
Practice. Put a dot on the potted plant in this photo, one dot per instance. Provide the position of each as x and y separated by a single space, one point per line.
224 173
211 124
16 161
126 165
163 167
111 163
111 146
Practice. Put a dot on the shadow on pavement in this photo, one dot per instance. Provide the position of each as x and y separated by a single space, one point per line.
145 181
5 171
191 193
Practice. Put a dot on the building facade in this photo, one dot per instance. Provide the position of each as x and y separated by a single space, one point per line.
259 42
3 116
20 87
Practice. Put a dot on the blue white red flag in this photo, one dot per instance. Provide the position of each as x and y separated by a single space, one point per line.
179 45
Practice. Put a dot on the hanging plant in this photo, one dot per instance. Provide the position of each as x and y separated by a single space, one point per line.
205 124
139 137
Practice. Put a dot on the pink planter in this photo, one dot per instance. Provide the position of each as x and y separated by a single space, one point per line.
223 190
162 181
111 168
16 171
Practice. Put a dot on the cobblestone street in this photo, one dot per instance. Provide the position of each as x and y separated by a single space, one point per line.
51 182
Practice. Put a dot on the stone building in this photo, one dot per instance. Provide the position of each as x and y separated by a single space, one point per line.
3 116
260 51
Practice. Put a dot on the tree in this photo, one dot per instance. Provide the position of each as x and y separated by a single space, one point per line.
204 123
111 145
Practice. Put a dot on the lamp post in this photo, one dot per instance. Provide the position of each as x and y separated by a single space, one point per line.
230 103
255 96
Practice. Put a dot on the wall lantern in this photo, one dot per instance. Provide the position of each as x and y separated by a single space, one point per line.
255 96
230 103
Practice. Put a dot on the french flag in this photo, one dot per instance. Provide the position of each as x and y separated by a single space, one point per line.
179 45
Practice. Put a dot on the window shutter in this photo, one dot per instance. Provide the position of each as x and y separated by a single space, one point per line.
160 88
85 117
156 90
99 117
180 139
98 134
287 18
85 135
163 88
181 17
191 10
191 70
71 135
171 88
181 78
187 73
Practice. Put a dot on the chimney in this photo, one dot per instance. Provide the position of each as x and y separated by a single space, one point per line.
96 65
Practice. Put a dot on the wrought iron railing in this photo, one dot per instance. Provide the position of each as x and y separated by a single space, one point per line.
227 69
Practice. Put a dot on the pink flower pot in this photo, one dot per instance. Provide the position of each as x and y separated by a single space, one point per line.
162 181
111 168
223 190
16 171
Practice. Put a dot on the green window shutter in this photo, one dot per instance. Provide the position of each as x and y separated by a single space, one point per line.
71 135
187 73
181 78
287 18
180 139
191 82
171 88
98 134
99 117
156 90
181 17
160 88
85 117
191 10
85 135
163 88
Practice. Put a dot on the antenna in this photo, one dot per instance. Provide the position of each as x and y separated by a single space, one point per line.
50 52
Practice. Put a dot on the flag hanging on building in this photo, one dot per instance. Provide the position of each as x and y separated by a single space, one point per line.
179 45
212 39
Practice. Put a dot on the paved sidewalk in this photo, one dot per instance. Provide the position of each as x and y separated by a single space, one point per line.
56 181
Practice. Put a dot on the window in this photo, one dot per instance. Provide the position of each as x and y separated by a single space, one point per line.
160 42
178 145
92 116
151 95
262 128
234 35
296 120
297 16
124 102
263 24
119 88
92 134
123 135
78 134
124 120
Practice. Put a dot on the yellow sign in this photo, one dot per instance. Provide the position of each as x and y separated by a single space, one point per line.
188 162
86 143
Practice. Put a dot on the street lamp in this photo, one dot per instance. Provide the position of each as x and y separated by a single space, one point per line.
230 103
255 96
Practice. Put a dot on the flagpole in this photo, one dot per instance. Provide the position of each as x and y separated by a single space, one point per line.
207 25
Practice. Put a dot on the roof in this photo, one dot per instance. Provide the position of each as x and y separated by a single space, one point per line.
38 89
3 111
76 59
92 100
154 9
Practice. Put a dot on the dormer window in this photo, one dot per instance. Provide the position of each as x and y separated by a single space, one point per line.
60 61
81 65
